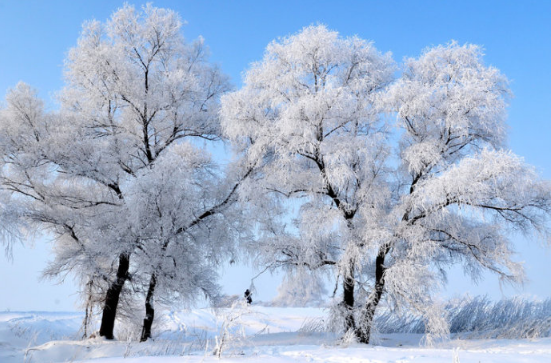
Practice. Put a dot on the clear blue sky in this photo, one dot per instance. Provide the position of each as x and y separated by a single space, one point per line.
36 35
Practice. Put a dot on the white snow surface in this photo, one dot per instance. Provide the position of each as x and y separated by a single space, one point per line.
272 335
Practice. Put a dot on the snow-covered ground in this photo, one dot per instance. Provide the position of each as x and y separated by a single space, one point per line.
270 335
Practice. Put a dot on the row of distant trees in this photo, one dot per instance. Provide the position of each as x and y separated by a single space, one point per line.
338 167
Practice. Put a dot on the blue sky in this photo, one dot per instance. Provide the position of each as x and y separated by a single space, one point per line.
36 35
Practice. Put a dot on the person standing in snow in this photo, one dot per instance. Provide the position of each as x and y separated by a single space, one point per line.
248 297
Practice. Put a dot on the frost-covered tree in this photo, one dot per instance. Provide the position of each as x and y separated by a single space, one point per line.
308 117
457 191
117 175
391 217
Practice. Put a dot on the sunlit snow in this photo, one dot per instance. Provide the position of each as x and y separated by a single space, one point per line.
273 335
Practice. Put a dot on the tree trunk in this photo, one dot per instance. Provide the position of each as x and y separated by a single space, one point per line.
112 298
348 303
363 331
149 310
88 309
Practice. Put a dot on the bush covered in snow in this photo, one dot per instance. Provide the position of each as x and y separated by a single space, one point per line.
479 317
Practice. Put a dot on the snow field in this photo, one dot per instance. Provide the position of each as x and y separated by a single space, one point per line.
272 335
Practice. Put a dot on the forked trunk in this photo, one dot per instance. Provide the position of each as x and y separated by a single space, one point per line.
149 310
112 298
